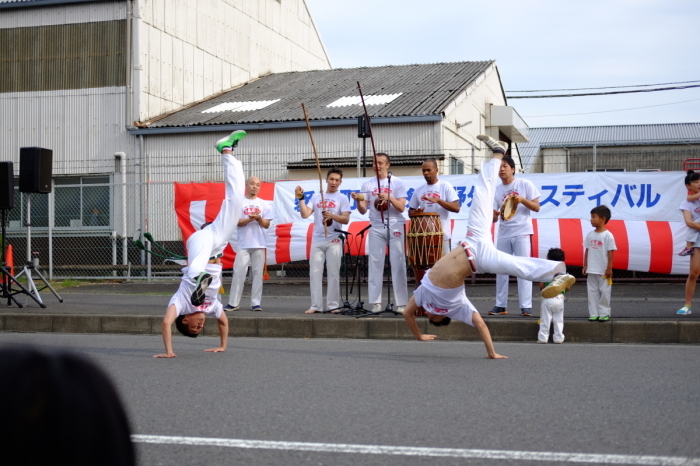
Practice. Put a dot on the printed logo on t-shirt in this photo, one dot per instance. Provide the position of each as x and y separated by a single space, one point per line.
330 204
336 241
385 189
397 234
437 310
595 244
251 210
697 210
204 306
470 233
430 197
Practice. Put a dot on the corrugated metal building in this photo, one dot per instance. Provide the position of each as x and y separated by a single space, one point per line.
616 148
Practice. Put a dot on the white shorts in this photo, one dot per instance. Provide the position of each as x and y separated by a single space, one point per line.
452 302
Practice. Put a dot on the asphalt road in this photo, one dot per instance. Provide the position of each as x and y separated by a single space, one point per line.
596 400
635 301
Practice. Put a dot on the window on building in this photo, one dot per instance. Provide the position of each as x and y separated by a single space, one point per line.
82 201
456 166
79 202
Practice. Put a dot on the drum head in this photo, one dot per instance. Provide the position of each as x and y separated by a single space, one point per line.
510 205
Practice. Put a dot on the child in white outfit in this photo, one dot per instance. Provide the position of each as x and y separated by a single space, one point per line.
597 264
692 236
552 310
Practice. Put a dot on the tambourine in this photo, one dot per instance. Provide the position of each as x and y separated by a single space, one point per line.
299 193
359 197
510 205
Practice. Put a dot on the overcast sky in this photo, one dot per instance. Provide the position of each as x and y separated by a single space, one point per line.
538 44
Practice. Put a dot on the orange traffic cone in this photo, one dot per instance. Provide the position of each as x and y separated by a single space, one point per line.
9 261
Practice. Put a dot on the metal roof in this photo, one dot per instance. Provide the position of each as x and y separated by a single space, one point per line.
424 90
622 135
342 162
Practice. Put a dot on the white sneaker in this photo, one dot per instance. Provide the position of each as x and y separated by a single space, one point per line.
559 284
400 309
499 147
377 308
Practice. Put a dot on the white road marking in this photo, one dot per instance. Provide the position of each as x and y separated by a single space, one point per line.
421 451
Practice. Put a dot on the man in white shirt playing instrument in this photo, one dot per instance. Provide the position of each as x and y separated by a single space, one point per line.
334 211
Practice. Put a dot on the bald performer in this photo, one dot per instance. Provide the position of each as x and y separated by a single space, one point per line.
256 215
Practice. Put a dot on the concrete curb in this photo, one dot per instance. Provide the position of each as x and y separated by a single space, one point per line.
615 331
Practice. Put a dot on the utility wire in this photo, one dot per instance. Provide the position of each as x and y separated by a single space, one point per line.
609 111
609 87
601 93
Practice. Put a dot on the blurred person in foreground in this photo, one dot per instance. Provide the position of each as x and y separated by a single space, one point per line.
60 409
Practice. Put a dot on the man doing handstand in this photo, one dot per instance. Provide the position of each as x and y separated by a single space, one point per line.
442 295
198 294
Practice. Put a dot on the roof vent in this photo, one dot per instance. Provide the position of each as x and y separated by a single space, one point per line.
241 106
381 99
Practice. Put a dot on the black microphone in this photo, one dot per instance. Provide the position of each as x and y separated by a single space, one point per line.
389 175
342 231
363 230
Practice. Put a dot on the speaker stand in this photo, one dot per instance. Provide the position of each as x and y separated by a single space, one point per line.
29 267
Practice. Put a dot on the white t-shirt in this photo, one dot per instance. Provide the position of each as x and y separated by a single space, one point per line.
598 245
252 235
694 209
521 222
336 203
452 303
370 190
211 306
440 190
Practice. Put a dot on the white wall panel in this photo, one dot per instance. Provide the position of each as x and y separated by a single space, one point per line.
257 36
82 127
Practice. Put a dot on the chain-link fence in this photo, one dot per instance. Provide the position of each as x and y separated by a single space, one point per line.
87 226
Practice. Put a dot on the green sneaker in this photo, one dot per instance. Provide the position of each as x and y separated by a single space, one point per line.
603 318
593 319
229 141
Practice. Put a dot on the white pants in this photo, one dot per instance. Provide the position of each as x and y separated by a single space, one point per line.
487 258
330 252
598 295
256 258
446 246
516 246
377 248
552 311
212 240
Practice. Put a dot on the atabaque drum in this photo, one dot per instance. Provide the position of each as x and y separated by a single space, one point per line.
425 240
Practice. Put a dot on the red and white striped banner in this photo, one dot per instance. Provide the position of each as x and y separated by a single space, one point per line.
643 245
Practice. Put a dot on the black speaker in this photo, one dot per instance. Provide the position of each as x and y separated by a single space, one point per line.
7 185
35 169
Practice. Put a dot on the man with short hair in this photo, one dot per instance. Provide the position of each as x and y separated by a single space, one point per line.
251 244
436 196
441 293
198 294
515 234
334 210
385 202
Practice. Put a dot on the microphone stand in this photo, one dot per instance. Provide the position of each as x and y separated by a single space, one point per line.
346 308
359 309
